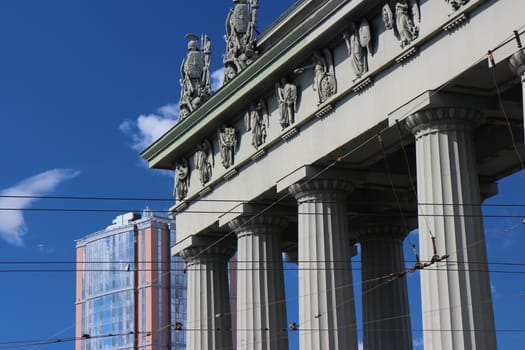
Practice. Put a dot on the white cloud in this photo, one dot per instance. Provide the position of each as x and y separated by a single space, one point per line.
12 223
149 127
360 346
217 77
418 343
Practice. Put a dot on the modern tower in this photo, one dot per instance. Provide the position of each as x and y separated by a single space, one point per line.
130 294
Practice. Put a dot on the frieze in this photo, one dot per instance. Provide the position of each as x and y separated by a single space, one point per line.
182 179
257 121
325 83
204 161
456 4
227 140
359 45
402 19
287 97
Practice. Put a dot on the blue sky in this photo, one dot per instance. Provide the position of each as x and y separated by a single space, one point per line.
84 86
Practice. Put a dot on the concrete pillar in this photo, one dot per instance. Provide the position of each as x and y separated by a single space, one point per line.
208 315
517 65
261 304
456 296
386 314
326 296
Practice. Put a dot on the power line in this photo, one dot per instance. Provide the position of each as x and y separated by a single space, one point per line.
121 198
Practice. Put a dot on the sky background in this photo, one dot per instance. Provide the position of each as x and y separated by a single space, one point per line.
85 85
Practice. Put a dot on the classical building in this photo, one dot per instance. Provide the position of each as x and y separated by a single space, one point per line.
130 294
349 122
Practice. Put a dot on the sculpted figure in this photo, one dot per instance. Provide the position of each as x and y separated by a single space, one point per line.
324 74
240 40
287 98
203 160
359 45
195 75
456 4
227 144
402 20
256 120
182 179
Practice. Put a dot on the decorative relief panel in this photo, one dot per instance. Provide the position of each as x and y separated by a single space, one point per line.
287 97
241 48
257 121
403 19
204 162
359 46
182 179
324 74
227 139
195 75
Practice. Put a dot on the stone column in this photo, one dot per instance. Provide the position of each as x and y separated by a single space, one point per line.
208 315
261 305
326 297
517 65
456 296
386 314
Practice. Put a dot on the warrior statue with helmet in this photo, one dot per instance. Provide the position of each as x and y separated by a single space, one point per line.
195 75
241 48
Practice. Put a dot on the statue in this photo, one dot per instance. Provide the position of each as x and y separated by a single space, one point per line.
241 48
324 74
287 98
204 162
456 4
256 120
402 20
195 75
359 45
182 179
227 144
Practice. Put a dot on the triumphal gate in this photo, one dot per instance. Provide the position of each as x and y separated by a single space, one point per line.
344 123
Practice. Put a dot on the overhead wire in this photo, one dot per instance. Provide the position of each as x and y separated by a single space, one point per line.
427 330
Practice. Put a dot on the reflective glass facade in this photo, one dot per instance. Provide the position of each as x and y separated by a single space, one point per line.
129 289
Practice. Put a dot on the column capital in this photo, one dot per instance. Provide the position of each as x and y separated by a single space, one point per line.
437 119
517 63
301 190
258 224
193 254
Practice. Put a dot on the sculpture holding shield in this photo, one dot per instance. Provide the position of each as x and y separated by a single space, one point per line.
195 75
240 40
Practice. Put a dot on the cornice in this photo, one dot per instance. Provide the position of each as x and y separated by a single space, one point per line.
247 83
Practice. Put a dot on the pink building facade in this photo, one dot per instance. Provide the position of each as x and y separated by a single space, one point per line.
129 292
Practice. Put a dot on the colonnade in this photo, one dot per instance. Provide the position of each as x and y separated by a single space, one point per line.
456 298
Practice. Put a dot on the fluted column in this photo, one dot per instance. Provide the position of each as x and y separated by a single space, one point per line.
261 306
386 314
208 315
456 297
517 65
326 297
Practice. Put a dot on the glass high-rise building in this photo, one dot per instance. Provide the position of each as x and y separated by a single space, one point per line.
130 293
